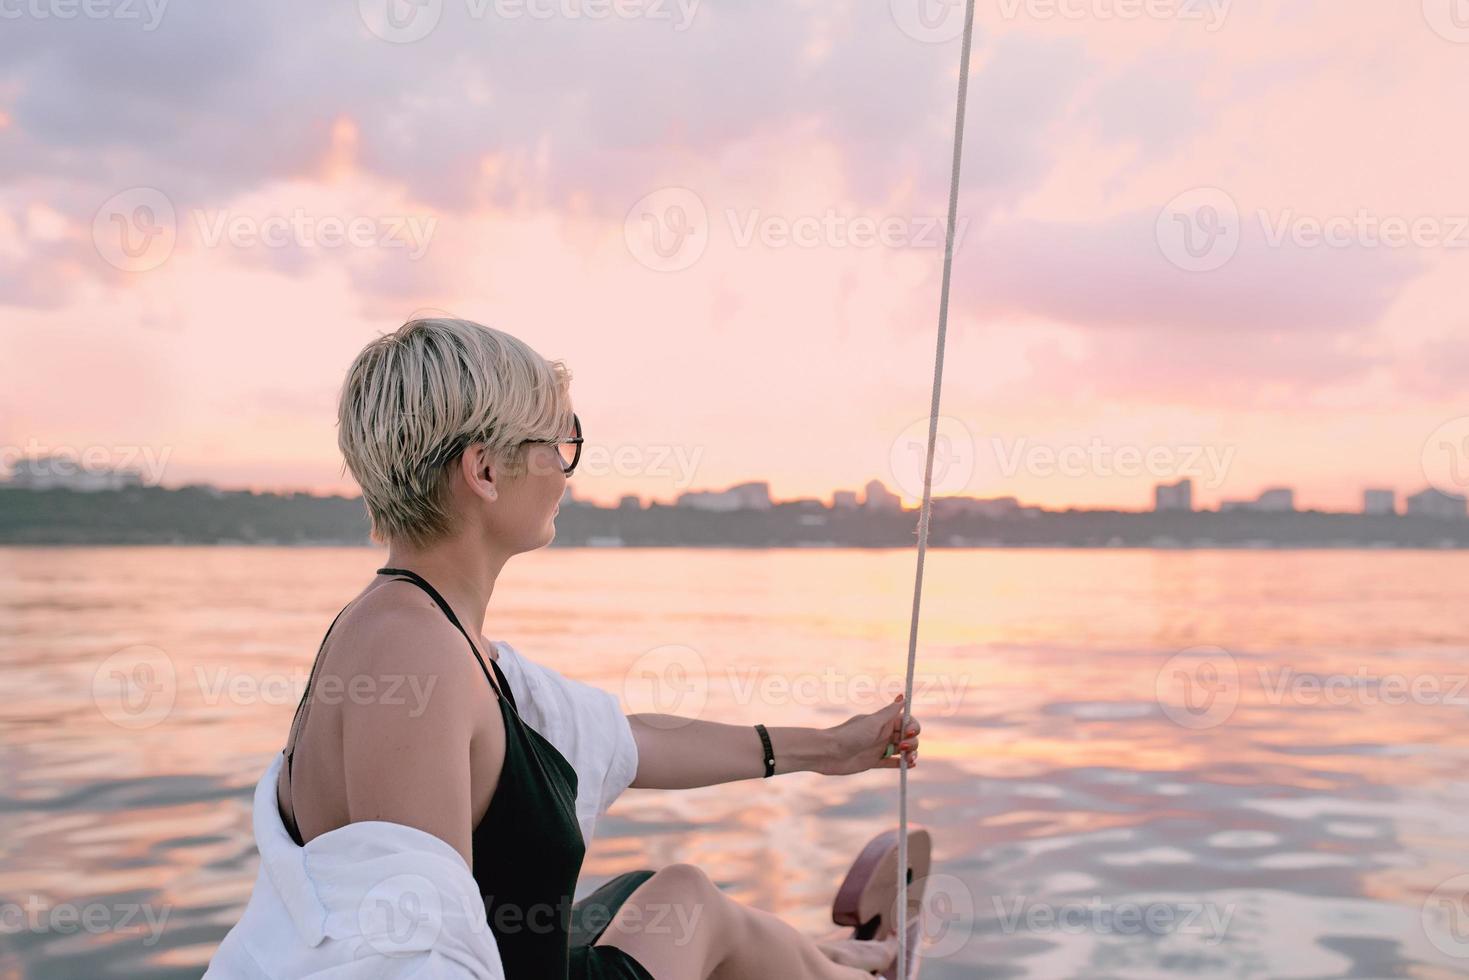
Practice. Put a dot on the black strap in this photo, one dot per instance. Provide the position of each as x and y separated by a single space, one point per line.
299 717
769 752
418 580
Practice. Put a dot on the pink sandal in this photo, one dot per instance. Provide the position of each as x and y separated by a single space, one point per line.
868 897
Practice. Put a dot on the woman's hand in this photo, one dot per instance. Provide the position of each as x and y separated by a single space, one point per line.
860 741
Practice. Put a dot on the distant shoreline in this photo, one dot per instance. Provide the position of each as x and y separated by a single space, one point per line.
198 516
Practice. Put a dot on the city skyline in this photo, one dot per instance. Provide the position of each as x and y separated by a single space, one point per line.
64 472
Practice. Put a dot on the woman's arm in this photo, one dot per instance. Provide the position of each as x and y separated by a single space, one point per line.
675 752
403 764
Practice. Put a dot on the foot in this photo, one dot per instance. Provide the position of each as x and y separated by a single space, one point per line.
864 954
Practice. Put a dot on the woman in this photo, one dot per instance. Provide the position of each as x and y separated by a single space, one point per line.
462 439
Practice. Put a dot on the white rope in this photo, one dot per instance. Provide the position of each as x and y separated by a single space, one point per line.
933 424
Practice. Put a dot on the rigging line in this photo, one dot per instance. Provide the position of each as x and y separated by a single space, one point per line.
923 514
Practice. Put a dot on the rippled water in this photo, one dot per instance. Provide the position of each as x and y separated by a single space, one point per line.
1231 764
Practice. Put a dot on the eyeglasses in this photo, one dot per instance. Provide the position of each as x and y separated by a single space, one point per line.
569 448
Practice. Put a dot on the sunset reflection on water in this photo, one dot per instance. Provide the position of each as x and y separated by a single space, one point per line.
1297 826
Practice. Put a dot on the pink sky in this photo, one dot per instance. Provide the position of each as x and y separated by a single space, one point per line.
534 158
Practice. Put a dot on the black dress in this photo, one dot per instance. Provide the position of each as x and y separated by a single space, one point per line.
528 852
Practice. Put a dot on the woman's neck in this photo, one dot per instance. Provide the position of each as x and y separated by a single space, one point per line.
462 571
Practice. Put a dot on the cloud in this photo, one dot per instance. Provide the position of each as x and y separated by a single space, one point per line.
1113 273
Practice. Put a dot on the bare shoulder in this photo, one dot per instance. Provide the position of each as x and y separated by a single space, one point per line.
396 628
413 700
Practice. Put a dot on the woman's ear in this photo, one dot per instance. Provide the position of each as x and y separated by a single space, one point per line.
477 466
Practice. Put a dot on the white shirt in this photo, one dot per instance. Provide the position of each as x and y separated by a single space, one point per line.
383 900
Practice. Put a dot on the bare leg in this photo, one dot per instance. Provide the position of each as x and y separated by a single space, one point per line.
679 925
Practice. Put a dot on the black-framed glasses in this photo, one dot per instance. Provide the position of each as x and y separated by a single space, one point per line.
569 448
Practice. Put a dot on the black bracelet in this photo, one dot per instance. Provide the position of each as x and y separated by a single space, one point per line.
769 752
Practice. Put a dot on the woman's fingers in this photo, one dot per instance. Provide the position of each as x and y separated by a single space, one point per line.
894 762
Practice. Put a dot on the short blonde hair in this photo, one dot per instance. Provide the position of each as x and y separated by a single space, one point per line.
415 398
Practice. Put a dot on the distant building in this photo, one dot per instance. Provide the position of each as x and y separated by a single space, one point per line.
65 473
745 496
878 497
844 500
630 501
1174 496
1379 502
1277 500
1436 503
963 506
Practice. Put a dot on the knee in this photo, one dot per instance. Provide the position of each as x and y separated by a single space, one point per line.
691 905
684 879
688 891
